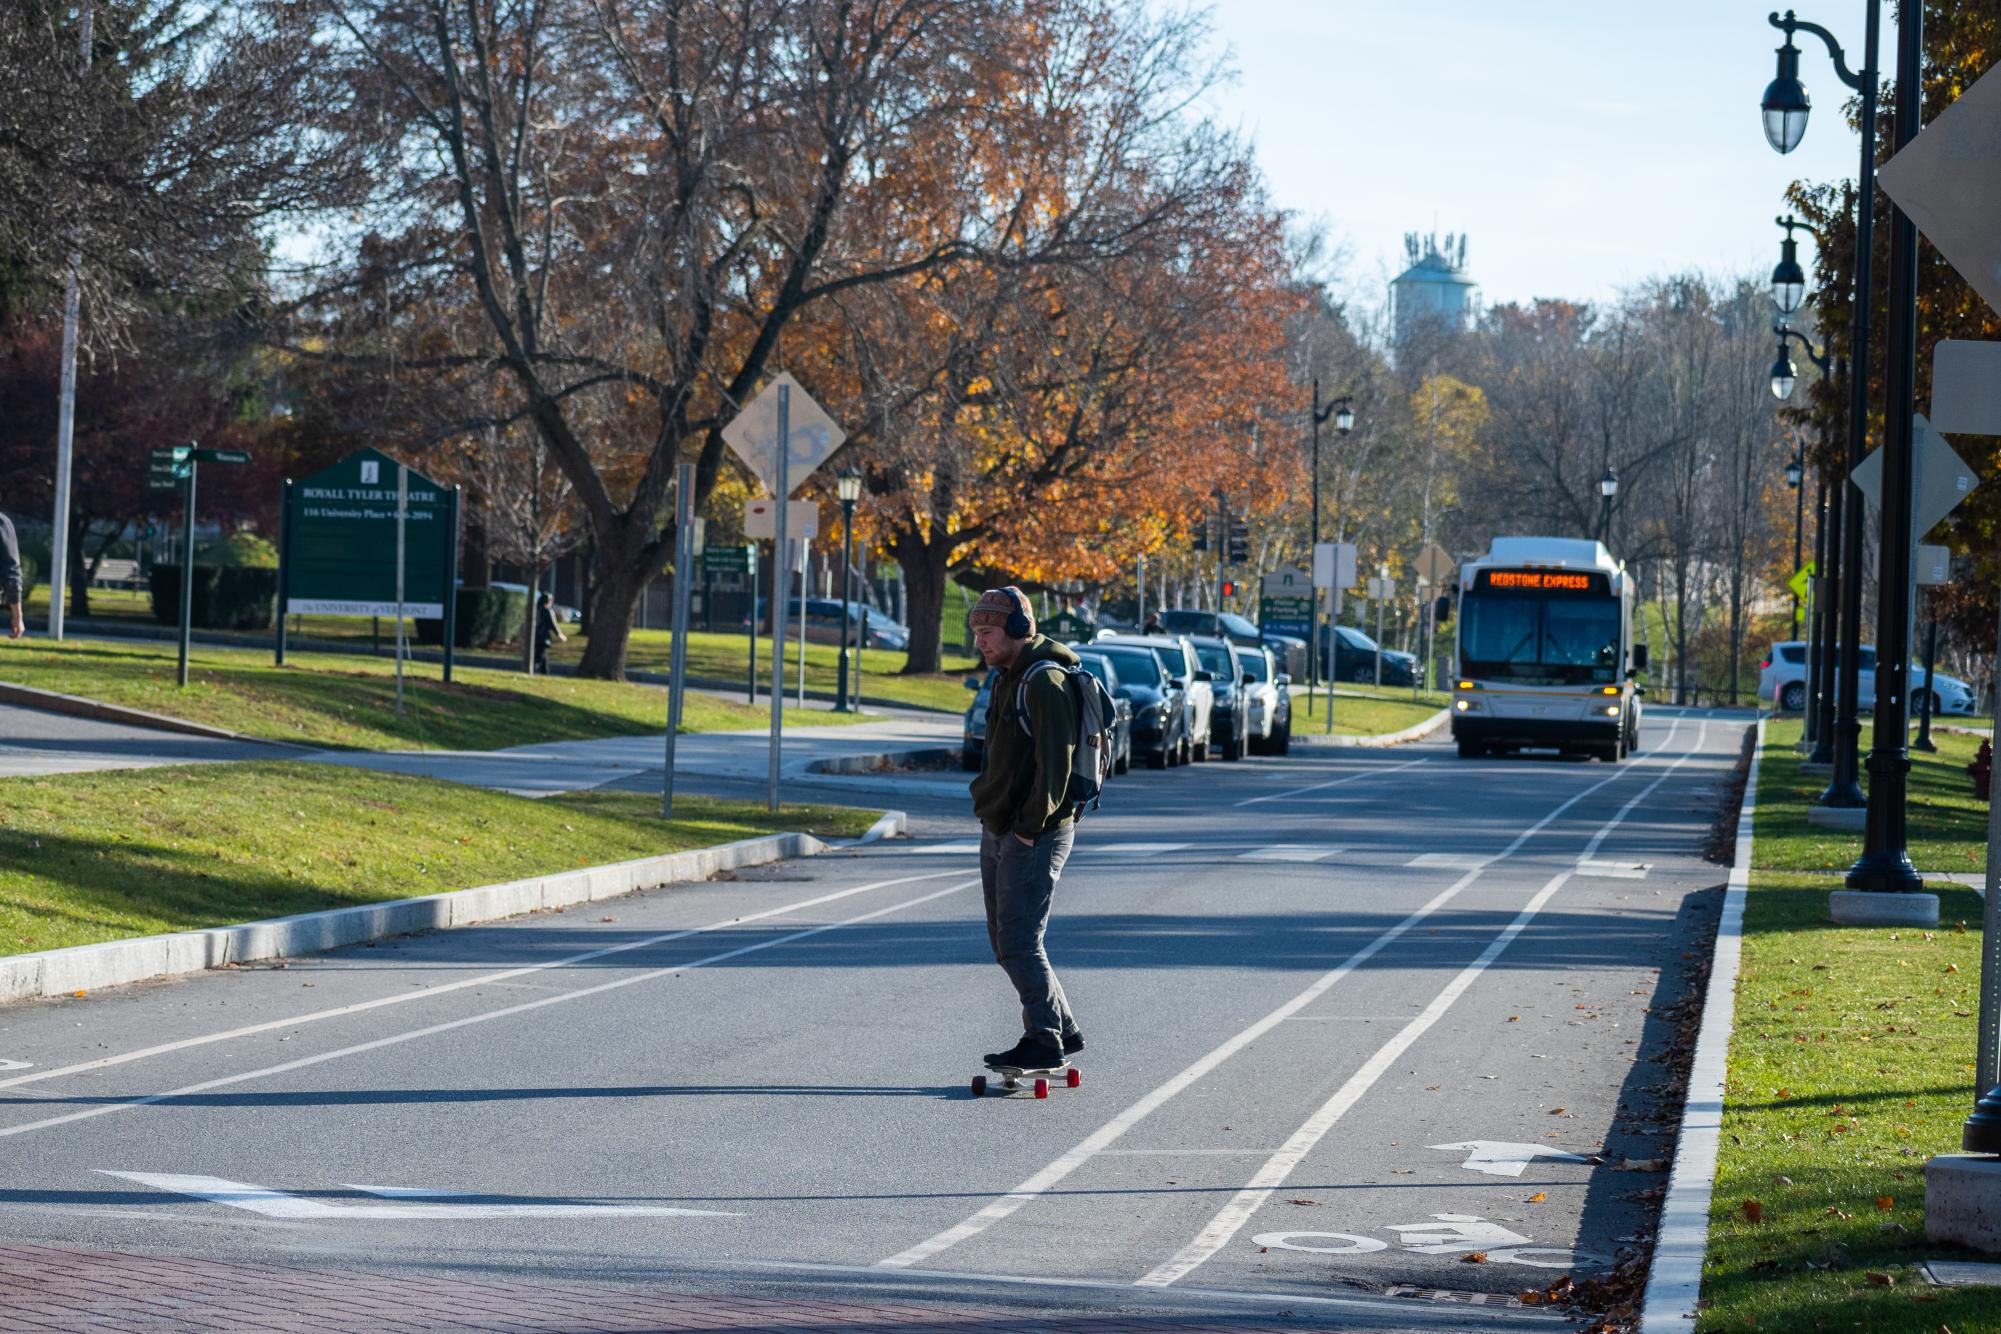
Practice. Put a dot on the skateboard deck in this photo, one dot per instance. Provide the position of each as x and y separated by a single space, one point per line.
1009 1080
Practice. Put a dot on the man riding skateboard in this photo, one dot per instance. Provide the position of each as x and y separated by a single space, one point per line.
1026 819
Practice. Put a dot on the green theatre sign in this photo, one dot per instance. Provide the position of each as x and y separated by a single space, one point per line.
337 552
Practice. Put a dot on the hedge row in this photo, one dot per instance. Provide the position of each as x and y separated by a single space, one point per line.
486 616
226 597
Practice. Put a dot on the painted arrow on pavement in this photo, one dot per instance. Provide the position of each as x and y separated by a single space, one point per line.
283 1204
1500 1159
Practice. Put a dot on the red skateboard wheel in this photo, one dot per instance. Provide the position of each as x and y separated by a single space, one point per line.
1041 1088
979 1086
1074 1077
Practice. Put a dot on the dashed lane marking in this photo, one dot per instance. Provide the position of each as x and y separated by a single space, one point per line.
1290 852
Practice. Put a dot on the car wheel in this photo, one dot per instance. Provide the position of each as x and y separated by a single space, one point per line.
1281 743
1200 753
1938 706
1157 759
1792 698
969 759
1233 747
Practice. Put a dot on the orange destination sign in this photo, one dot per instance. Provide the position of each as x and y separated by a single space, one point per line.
1537 579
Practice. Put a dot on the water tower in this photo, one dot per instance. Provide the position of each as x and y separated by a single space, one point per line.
1434 289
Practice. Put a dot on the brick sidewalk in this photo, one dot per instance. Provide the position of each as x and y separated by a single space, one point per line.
44 1288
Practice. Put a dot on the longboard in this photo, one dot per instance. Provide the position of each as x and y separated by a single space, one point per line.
1017 1079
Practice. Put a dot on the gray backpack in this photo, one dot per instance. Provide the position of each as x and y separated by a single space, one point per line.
1092 706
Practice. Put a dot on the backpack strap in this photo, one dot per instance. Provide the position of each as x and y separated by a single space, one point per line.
1021 690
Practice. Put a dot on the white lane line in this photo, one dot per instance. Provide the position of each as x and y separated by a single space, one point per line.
1612 870
396 1039
1290 852
485 979
1137 849
1106 1135
283 1204
1369 772
1230 1219
1446 861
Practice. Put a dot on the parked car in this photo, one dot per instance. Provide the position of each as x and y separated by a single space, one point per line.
973 745
1218 658
823 623
1183 668
1215 624
1268 702
1289 650
1355 657
1782 677
1159 728
1102 667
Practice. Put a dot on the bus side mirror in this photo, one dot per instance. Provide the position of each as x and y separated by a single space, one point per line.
1639 657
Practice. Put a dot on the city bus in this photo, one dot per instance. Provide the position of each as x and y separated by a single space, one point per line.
1546 654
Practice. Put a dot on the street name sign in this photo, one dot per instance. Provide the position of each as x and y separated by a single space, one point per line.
811 436
760 519
339 552
1334 565
726 560
1933 565
1966 387
1948 182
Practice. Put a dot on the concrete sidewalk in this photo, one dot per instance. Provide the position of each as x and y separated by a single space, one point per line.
34 743
570 766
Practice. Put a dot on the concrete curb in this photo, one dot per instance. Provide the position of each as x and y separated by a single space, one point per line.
883 762
49 701
1418 732
1674 1285
113 963
891 824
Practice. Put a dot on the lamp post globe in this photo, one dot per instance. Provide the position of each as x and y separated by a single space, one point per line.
1608 485
1788 278
1795 470
848 486
1784 374
1786 105
1344 419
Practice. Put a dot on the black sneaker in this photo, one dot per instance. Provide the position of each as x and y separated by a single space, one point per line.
1027 1054
1073 1042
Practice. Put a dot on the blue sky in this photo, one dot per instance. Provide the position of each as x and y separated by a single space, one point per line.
1581 146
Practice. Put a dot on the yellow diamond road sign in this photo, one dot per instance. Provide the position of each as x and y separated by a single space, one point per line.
1798 582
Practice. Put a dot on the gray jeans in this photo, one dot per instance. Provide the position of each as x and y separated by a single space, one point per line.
1019 881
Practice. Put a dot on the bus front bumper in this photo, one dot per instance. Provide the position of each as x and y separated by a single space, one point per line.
1491 731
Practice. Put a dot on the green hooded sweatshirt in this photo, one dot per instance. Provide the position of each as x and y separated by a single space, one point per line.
1022 783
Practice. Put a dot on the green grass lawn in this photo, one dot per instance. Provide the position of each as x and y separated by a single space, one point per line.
349 700
1850 1064
726 657
1364 710
102 856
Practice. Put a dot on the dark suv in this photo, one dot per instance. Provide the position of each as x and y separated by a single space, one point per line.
1228 724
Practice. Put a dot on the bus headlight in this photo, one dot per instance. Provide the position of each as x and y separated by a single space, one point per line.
1467 705
1611 711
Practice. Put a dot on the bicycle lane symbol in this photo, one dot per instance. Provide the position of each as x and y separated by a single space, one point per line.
1445 1234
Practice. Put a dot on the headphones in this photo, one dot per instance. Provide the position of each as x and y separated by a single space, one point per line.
1017 626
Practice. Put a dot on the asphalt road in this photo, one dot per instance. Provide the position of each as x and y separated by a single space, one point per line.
1296 977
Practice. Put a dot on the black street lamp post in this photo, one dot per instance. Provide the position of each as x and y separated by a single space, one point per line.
849 487
1342 410
1885 863
1608 487
1785 107
1820 727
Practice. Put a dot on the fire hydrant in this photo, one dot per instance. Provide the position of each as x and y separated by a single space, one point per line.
1982 770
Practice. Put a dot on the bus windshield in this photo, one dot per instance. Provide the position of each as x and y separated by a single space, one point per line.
1540 639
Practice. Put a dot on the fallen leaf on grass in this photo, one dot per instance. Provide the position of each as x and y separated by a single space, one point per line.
1754 1212
1880 1280
1952 968
1886 1202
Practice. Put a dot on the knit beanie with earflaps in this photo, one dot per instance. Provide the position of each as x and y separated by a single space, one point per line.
997 604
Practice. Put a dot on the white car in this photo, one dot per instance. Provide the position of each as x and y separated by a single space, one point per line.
1177 656
1782 677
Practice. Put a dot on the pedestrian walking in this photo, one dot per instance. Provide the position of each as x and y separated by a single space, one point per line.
13 588
1153 625
1027 818
545 630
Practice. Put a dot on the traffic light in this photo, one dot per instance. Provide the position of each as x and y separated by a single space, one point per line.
1230 588
1240 541
1201 542
1441 611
